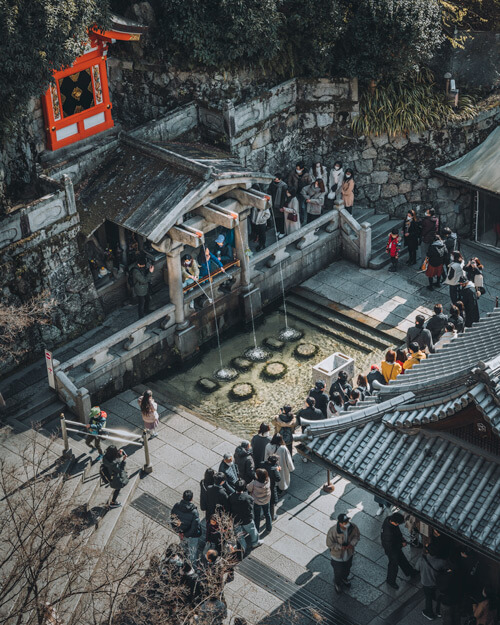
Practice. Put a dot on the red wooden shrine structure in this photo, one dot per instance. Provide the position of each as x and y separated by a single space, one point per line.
77 105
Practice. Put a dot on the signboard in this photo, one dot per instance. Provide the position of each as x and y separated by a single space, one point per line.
50 369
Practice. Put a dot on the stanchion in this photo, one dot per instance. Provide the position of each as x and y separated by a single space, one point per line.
147 468
67 451
328 487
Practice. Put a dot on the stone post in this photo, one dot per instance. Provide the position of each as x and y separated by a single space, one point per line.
175 286
70 194
250 296
365 244
186 335
241 245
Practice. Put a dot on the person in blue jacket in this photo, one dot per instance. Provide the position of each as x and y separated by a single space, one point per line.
208 263
222 250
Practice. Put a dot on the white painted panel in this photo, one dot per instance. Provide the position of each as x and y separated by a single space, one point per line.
64 133
95 120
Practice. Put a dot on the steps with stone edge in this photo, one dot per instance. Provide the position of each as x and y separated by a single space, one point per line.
374 334
381 225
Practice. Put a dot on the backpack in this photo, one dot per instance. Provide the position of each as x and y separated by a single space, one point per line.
287 435
130 277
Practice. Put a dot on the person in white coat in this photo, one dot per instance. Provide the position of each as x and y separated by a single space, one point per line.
337 178
318 170
277 446
291 211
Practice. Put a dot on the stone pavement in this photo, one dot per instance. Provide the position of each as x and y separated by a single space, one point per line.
296 547
396 298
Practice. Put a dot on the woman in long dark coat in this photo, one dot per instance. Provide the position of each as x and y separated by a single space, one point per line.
411 234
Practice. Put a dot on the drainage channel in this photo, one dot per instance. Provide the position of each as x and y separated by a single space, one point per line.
258 573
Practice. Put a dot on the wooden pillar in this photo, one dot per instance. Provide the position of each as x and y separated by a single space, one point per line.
175 286
123 243
241 245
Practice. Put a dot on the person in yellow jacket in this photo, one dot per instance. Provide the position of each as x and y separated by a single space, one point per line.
416 355
390 368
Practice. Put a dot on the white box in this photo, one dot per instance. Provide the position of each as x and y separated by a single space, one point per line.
329 368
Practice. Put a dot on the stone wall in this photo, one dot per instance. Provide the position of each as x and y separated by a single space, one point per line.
49 260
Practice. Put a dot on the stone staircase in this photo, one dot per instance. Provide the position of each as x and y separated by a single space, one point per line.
381 225
350 326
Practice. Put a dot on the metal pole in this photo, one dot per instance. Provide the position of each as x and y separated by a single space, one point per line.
67 450
328 487
147 468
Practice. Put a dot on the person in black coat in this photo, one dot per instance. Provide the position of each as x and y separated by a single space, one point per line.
208 480
241 506
230 470
259 443
320 397
468 296
437 323
393 543
114 471
411 236
456 319
342 386
185 521
375 375
309 412
217 497
273 470
244 461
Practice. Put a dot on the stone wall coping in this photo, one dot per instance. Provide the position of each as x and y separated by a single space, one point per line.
118 337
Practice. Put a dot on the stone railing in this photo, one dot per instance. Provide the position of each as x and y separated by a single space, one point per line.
305 236
39 214
356 238
79 377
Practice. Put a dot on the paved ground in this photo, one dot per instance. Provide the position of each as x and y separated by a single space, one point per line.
396 298
296 547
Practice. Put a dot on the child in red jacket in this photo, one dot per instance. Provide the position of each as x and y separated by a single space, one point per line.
392 248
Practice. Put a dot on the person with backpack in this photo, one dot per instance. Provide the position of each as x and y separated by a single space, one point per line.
149 412
141 276
435 255
320 397
185 521
285 424
429 228
114 472
277 447
451 243
259 219
416 355
430 566
97 421
342 386
455 270
420 335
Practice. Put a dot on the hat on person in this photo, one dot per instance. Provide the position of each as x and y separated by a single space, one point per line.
220 239
343 518
374 368
95 412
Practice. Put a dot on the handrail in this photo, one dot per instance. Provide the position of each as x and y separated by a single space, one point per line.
147 468
211 276
346 216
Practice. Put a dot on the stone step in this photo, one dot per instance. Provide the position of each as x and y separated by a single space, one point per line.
99 535
317 323
384 333
30 401
337 323
382 258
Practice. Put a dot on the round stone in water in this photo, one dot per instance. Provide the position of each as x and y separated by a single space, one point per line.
290 334
257 354
226 374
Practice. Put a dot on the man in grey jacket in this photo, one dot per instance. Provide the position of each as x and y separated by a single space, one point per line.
141 279
419 334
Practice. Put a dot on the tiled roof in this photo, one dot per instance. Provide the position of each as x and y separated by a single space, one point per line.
436 476
444 369
445 480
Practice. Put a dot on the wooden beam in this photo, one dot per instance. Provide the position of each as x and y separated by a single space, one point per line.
218 215
187 235
249 197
